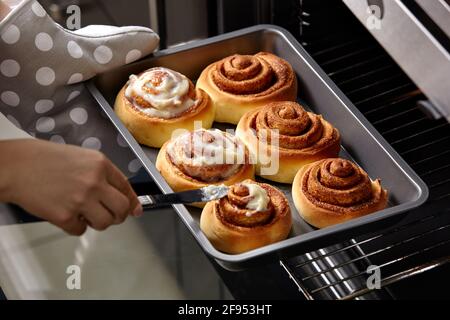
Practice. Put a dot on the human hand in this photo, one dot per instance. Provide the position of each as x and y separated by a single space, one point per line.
42 69
68 186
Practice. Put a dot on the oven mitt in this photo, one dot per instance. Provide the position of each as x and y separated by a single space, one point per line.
42 66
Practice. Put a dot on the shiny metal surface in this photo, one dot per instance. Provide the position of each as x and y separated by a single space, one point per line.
360 141
378 88
332 273
415 49
406 274
205 194
439 11
341 271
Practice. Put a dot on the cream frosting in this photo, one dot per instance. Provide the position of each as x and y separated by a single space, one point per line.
163 89
225 149
259 198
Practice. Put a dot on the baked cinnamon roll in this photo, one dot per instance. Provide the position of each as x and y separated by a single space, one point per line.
155 103
252 215
240 83
332 191
283 137
203 157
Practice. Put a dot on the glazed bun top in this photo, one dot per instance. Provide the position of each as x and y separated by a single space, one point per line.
160 92
208 155
251 204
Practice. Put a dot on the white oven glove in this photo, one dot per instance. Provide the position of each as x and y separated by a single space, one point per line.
42 66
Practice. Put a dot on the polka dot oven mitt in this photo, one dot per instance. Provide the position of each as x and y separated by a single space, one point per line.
42 66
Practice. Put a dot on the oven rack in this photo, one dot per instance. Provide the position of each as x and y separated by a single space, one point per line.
340 271
390 101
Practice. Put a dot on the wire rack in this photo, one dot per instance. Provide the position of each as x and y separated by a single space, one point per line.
390 101
341 271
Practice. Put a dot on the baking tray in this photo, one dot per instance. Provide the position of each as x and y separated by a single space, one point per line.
360 141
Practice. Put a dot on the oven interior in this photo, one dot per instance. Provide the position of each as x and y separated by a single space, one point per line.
376 85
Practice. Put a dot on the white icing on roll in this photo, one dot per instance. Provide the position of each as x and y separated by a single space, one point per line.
192 149
164 90
259 198
225 149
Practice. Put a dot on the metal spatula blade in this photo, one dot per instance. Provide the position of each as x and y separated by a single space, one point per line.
205 194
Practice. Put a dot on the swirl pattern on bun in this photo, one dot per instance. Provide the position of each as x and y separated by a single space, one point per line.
334 190
250 216
203 157
240 83
207 155
286 132
237 207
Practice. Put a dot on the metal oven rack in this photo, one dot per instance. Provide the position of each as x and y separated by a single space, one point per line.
340 271
384 94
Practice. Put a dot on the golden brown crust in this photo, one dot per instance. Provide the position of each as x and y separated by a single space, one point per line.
154 131
179 178
240 83
303 137
223 224
332 191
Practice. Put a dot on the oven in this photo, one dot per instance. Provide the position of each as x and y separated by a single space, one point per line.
409 258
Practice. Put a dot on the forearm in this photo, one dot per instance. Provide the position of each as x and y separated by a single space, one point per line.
12 155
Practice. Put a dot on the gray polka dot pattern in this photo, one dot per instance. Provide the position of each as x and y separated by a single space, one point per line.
42 66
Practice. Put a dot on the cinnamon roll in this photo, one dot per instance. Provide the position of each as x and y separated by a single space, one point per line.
282 137
155 103
203 157
240 83
252 215
332 191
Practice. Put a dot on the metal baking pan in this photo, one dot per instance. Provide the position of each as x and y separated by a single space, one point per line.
360 141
